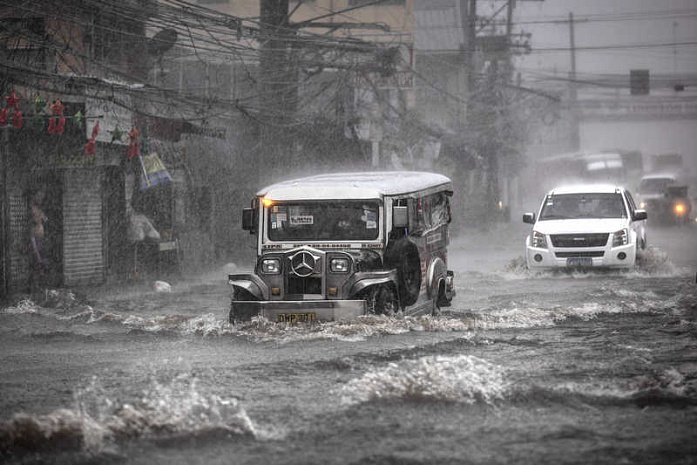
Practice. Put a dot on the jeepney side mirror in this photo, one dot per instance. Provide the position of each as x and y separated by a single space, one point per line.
400 216
529 218
248 218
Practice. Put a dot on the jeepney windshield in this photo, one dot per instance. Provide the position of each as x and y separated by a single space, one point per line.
337 220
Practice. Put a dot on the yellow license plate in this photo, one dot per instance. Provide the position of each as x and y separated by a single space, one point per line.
296 317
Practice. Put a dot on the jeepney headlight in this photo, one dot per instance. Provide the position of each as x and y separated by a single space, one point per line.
539 240
339 265
271 266
620 237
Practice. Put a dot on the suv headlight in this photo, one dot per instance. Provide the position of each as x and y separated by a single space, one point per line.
271 266
339 265
620 237
539 240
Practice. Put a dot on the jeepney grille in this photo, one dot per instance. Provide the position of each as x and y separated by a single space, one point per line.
579 240
298 285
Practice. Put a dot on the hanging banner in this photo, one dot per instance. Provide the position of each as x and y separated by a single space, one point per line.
154 171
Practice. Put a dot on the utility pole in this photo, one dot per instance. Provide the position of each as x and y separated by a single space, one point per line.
675 47
278 86
572 48
573 91
509 17
509 37
471 43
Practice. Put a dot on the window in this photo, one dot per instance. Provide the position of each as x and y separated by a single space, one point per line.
22 42
430 212
337 221
655 185
590 205
630 201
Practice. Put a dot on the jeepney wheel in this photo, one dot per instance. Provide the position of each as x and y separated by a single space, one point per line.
441 298
382 300
404 257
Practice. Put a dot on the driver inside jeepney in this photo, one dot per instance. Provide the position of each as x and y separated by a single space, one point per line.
338 220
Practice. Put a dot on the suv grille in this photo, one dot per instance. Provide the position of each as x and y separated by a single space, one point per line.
579 240
599 253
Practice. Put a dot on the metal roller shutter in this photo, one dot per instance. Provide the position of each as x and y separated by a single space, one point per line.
83 249
18 241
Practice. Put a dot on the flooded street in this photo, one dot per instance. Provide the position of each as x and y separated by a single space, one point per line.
586 367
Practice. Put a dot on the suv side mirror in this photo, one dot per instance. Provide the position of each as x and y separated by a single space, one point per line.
400 217
640 215
248 220
529 218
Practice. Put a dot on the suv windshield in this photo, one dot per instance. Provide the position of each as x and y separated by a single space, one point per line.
345 220
572 206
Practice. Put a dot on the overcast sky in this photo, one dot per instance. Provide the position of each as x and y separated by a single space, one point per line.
603 23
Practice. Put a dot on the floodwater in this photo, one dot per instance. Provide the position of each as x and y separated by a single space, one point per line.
593 367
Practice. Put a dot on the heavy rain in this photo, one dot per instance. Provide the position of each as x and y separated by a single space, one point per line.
348 231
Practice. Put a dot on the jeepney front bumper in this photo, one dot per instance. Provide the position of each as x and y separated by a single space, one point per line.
295 311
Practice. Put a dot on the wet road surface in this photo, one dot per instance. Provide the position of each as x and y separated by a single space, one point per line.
583 367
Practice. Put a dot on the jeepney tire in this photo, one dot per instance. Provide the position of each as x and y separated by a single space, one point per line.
404 257
442 299
382 300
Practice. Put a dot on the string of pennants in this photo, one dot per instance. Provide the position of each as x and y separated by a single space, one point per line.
56 118
153 170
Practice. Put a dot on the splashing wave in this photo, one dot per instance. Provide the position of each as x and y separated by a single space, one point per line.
472 380
463 378
177 408
652 262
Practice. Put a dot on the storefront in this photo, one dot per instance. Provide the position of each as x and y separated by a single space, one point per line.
75 203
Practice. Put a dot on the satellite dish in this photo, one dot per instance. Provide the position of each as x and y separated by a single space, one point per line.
162 41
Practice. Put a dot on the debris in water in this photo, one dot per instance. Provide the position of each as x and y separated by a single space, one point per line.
161 286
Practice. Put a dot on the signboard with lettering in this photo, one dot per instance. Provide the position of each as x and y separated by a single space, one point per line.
115 120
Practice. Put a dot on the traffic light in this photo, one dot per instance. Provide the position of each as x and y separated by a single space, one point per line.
639 81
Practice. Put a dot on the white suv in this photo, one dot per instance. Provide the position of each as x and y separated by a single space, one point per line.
585 226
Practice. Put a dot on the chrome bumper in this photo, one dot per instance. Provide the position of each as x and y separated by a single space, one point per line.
297 310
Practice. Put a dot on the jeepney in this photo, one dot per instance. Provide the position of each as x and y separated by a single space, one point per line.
337 246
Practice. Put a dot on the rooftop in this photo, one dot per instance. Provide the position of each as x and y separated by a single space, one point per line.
357 185
586 189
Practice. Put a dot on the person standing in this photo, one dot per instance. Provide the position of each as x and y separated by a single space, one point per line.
38 218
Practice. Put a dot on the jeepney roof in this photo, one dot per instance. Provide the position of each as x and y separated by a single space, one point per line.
358 185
